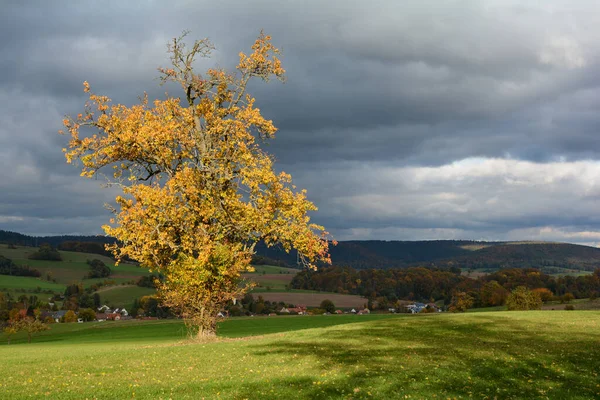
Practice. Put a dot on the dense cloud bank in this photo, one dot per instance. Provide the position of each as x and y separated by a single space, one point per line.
405 120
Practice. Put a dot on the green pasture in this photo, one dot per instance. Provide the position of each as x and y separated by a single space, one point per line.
123 296
73 267
27 283
503 355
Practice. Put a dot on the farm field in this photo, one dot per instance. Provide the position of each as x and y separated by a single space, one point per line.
123 296
541 354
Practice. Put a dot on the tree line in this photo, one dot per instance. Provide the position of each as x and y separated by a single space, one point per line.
433 284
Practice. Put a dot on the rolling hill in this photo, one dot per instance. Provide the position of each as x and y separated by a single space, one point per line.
551 257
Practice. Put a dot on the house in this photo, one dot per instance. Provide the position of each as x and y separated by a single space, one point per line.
300 309
339 312
101 316
353 311
113 317
365 311
104 309
58 315
415 308
284 310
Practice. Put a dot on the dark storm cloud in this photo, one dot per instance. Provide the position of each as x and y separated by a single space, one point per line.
382 101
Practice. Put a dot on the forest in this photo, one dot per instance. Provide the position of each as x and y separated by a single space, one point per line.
434 284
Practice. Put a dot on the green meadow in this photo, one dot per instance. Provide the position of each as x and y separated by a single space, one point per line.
504 355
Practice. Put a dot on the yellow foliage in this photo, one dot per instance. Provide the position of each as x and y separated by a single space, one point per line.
198 191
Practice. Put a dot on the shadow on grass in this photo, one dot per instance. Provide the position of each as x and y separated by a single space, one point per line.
484 357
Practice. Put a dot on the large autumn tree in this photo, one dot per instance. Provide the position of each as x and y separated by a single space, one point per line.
198 191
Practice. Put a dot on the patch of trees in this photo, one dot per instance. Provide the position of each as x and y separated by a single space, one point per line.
46 252
150 306
98 269
407 283
522 299
76 297
149 281
85 247
8 267
427 284
262 260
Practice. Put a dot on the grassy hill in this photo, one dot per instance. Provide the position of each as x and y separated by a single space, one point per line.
73 268
552 258
544 354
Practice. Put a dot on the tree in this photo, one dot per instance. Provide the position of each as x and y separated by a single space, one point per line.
328 306
198 190
9 331
87 314
461 302
523 299
566 298
98 269
46 252
31 326
492 294
544 293
69 316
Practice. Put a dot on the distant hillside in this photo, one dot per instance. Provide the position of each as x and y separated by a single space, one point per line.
19 239
363 254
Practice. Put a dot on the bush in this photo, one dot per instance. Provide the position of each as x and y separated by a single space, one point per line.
87 314
523 299
98 269
328 306
569 307
46 252
70 316
461 302
567 297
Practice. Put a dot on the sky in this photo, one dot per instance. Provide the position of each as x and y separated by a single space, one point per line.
410 120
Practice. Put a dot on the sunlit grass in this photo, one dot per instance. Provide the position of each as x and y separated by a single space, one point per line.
484 355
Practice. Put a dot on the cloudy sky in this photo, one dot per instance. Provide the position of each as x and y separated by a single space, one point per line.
404 120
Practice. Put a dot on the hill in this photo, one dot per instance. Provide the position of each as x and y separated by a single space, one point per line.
550 257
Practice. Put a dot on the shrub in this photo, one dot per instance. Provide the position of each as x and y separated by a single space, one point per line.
328 306
461 302
523 299
87 314
569 307
70 316
46 252
98 269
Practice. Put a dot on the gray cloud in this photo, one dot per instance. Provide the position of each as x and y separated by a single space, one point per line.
376 97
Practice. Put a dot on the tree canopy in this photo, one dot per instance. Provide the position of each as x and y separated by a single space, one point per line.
198 190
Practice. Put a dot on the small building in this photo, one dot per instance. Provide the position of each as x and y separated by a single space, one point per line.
113 317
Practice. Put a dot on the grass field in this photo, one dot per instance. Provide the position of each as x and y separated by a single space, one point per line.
13 283
546 355
123 296
72 268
